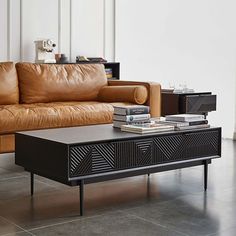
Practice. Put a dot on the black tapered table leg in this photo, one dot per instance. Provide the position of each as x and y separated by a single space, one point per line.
81 193
32 183
205 174
148 174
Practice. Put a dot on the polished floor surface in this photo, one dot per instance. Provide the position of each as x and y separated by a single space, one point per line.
168 203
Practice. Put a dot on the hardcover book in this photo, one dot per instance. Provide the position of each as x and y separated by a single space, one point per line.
132 117
183 123
146 128
118 123
192 127
131 110
185 117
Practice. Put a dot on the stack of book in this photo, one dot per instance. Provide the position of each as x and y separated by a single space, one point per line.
128 115
186 121
108 73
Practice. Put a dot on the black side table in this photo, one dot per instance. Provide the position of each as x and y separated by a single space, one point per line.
195 103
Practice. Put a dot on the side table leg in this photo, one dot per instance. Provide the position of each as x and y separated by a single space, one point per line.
205 174
32 183
81 193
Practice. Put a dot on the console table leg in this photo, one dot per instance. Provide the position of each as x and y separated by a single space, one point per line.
205 174
81 192
32 183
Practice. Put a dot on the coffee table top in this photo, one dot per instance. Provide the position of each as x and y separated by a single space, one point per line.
90 134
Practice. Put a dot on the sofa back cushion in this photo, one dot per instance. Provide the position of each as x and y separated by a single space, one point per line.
53 83
9 91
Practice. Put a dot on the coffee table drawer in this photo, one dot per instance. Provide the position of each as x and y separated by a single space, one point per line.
186 146
92 159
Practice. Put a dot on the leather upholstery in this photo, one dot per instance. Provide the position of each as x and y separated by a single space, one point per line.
7 143
154 94
22 117
133 93
9 92
63 95
57 83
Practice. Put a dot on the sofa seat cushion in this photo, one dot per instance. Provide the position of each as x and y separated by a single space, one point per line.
51 115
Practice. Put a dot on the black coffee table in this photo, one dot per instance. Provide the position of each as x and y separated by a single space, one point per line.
81 155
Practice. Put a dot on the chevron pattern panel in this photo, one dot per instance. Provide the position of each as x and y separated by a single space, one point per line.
91 159
143 152
168 148
133 154
80 160
103 158
201 144
124 152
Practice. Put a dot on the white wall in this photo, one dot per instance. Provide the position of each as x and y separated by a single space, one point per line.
164 41
79 27
177 41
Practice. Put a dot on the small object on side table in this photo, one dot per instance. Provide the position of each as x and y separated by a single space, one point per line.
62 59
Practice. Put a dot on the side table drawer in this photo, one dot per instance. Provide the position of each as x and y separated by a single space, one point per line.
197 103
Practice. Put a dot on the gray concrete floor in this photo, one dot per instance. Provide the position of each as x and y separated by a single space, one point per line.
168 203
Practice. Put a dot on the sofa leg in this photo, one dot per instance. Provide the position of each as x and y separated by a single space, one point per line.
81 194
148 174
32 183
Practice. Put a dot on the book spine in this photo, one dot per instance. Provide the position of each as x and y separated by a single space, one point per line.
129 118
137 110
200 122
118 123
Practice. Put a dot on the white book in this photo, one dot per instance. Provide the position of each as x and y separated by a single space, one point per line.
146 128
192 127
118 123
185 117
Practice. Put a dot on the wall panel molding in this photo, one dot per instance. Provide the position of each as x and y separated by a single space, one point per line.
3 30
59 25
87 28
38 22
109 30
9 30
71 17
79 27
21 28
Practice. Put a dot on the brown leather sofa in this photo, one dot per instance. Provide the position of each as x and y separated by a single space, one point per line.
39 96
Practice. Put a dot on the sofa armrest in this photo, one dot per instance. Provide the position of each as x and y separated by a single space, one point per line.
154 94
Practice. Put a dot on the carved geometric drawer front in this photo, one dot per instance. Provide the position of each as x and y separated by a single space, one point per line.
106 157
168 148
91 159
80 160
133 154
202 144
